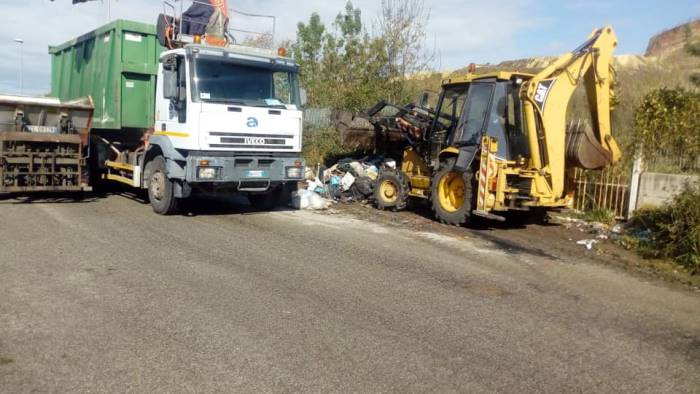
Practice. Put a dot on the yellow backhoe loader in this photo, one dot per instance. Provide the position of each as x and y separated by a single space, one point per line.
499 141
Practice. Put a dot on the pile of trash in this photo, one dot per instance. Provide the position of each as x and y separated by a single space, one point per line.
596 231
347 181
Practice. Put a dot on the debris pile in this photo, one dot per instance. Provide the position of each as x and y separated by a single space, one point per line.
349 180
595 231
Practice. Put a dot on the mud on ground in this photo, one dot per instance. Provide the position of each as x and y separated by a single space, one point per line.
556 239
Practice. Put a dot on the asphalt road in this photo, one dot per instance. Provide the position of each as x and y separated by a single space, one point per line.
105 296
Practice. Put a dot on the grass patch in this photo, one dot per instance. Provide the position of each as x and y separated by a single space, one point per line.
601 215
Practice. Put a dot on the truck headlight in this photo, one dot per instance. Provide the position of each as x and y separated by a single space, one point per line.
295 172
208 173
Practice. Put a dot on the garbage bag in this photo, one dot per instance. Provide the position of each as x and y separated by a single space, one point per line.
372 172
347 181
310 200
364 185
196 18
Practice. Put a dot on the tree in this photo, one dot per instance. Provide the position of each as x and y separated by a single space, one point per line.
668 122
264 41
693 48
402 28
347 68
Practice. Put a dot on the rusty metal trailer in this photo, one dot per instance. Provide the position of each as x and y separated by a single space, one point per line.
44 144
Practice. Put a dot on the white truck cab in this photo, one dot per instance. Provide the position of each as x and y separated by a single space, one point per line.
227 119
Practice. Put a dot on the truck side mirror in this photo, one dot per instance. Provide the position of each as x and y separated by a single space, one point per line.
303 97
170 89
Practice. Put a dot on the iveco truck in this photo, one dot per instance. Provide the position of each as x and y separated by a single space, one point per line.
215 119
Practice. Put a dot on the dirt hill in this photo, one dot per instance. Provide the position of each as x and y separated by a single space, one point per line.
662 46
672 40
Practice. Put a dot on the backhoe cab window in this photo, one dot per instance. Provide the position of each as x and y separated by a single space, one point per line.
496 126
475 113
451 106
517 139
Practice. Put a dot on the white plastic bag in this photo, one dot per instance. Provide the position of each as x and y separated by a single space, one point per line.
347 182
307 199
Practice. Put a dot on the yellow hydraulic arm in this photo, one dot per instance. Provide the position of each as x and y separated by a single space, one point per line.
545 101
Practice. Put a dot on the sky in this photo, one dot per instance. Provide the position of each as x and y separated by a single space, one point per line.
461 31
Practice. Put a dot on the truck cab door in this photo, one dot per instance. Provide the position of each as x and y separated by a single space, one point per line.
172 103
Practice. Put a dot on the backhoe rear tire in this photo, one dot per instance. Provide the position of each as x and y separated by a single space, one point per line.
452 194
161 190
391 190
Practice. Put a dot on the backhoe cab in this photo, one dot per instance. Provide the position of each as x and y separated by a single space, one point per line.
499 141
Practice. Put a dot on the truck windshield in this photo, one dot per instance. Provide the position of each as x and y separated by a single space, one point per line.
224 81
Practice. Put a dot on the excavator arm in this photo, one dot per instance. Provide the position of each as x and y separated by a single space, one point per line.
546 98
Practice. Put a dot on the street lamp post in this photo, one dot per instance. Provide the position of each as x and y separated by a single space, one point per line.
21 64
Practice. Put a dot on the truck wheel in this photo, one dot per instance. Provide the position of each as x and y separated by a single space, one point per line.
267 201
161 191
391 190
452 195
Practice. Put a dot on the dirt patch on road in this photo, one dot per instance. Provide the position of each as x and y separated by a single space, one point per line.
555 240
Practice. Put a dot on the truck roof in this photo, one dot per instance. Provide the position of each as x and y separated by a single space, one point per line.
242 50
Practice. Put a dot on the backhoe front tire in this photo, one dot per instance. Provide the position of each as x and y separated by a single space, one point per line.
161 190
391 190
452 195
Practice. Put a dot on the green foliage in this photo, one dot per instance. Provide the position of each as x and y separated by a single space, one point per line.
321 145
339 67
669 120
600 215
672 231
693 49
348 69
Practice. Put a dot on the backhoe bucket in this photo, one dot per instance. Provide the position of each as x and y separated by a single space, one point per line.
583 149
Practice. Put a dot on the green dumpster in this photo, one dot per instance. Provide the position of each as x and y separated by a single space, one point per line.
116 65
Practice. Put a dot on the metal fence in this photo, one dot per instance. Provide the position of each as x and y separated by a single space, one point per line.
673 162
607 189
317 117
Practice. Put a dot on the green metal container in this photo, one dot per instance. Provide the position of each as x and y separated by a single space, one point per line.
116 65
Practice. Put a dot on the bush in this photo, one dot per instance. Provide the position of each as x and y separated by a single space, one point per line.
323 145
672 231
669 120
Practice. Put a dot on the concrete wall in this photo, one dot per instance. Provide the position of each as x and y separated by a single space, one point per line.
658 189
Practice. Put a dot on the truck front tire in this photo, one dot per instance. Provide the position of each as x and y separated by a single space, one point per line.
161 190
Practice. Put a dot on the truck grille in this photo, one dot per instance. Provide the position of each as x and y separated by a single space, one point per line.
252 141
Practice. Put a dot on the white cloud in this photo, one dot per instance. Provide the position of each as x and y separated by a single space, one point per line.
463 30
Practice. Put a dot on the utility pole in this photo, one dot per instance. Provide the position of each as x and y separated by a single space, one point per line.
21 64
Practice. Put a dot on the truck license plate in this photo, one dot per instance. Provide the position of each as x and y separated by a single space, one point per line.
42 129
256 174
